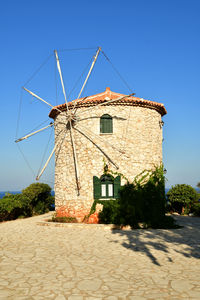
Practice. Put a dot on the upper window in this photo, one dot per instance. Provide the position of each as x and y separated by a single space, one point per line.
106 124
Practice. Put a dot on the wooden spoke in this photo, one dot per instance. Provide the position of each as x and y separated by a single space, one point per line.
48 160
98 117
61 78
88 75
39 98
75 160
46 164
101 139
70 126
59 146
30 134
104 153
104 103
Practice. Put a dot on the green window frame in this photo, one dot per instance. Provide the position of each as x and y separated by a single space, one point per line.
106 124
106 187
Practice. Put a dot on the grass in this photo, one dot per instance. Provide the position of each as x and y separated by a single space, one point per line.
63 219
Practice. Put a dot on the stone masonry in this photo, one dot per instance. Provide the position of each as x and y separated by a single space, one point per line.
134 145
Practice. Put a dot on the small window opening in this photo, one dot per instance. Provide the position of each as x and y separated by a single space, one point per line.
106 124
106 186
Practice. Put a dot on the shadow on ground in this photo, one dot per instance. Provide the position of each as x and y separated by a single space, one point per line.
185 240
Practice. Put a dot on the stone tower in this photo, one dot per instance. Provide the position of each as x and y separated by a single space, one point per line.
125 134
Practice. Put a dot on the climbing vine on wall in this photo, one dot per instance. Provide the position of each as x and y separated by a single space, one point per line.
106 170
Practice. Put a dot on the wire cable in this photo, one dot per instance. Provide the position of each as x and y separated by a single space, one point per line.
19 114
118 73
76 49
45 152
34 129
25 159
38 69
124 81
76 83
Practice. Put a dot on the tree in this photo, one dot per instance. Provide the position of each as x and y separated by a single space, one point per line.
40 197
198 185
181 197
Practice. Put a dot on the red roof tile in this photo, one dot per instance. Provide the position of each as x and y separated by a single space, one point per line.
106 96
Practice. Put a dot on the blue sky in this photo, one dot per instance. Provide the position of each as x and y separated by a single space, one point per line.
154 44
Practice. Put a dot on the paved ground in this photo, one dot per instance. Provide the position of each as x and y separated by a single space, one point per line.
91 262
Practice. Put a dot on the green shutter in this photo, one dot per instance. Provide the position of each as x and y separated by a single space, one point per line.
106 124
97 187
101 125
117 184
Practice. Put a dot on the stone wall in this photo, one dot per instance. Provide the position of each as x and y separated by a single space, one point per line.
134 145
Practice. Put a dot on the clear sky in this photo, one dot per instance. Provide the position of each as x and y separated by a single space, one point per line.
154 44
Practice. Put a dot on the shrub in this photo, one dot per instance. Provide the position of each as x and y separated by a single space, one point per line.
195 209
63 219
182 197
40 197
14 206
142 201
109 213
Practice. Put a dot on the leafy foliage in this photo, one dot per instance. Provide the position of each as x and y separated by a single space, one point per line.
142 201
181 197
40 197
14 206
35 199
195 209
110 212
63 219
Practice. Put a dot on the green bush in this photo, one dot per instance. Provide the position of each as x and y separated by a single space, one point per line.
195 209
40 197
14 206
181 198
142 201
35 199
131 205
109 213
63 219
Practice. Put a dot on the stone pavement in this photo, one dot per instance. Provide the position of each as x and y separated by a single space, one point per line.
94 262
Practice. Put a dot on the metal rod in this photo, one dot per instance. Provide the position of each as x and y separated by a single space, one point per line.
28 135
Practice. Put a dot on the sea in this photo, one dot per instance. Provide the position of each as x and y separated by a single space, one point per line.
3 193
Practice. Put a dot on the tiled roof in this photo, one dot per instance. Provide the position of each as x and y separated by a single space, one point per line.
106 96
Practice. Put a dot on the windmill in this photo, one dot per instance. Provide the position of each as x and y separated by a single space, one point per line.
132 143
72 119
